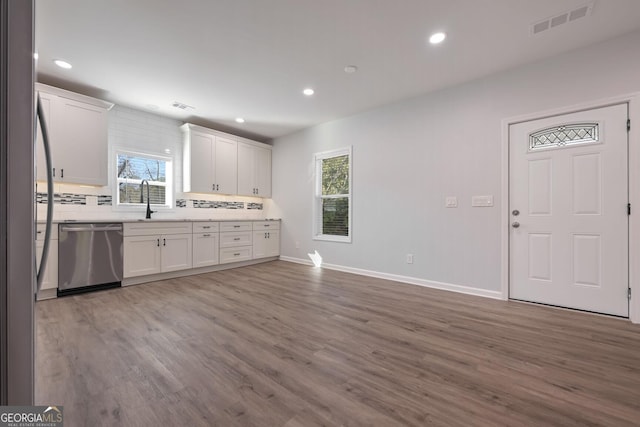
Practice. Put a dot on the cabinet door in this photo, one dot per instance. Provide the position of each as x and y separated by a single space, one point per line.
226 166
80 141
205 249
50 271
246 170
141 255
198 164
46 100
176 252
266 244
254 170
263 172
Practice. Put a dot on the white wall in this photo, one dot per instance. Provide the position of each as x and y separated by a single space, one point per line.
408 156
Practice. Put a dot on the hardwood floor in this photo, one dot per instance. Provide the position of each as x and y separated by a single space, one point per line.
282 344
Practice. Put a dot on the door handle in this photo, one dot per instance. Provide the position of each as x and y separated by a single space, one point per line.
516 224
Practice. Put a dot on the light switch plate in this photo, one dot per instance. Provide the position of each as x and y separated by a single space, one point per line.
482 201
451 202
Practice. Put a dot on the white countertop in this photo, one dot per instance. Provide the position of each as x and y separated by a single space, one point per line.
128 220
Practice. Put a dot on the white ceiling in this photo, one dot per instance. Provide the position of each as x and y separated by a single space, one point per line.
253 58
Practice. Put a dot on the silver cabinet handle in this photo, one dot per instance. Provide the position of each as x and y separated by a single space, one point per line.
515 224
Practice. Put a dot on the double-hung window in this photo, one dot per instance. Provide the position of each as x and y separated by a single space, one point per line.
332 202
133 169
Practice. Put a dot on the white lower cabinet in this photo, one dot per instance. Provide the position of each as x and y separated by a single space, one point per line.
266 243
266 239
241 253
176 252
141 255
151 248
205 249
50 271
160 247
235 242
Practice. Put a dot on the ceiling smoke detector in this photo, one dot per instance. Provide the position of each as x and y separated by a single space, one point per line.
562 18
182 106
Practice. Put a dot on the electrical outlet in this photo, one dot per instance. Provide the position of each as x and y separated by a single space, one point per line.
297 245
409 258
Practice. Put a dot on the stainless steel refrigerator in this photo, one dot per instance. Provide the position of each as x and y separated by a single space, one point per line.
17 275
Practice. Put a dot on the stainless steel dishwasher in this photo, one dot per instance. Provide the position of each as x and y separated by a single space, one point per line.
89 257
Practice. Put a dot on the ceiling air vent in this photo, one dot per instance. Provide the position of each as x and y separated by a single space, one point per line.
181 106
562 18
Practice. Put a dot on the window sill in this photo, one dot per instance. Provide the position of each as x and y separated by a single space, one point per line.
329 238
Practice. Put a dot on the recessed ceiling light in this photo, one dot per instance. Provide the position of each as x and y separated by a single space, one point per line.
350 69
239 120
437 38
62 64
167 150
308 91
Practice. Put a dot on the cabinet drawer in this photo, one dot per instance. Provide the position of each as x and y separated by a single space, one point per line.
266 225
155 228
228 255
41 228
241 238
206 227
236 226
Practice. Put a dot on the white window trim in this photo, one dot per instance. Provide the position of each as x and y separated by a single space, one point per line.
317 213
169 193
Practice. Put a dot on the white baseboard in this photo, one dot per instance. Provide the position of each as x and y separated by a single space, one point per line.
403 279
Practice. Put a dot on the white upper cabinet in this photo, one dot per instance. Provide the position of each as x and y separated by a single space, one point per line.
210 161
78 129
226 166
254 169
199 157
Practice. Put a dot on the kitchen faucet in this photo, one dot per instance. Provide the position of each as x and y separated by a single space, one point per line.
149 211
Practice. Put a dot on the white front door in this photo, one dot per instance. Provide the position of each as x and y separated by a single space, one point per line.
568 195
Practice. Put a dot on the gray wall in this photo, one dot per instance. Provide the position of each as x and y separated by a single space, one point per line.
408 156
17 281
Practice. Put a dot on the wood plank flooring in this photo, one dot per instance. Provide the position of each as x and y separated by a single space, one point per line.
281 344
